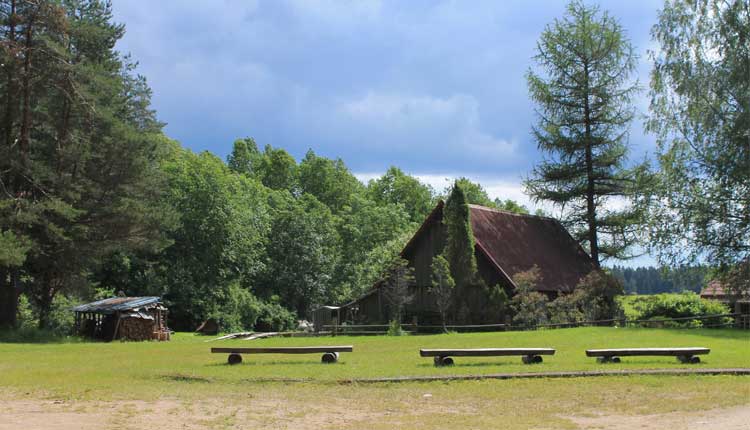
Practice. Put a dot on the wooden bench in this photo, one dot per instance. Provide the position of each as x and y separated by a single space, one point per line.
442 357
684 355
330 353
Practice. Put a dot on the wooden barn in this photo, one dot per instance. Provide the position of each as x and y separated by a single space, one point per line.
506 244
127 318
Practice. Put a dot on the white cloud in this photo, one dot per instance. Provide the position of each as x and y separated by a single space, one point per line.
436 126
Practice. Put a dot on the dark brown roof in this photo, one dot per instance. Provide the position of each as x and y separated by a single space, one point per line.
515 243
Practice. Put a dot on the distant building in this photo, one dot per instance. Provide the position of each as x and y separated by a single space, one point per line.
506 244
739 303
127 318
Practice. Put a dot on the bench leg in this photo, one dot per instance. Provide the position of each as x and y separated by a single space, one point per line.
442 361
607 359
688 359
234 359
532 359
330 357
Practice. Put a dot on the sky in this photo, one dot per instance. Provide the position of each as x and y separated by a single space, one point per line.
436 88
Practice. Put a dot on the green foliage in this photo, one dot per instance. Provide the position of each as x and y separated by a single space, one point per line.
529 307
301 254
397 287
442 287
497 303
278 169
473 192
394 328
596 296
583 95
683 305
565 309
459 244
245 158
699 207
513 206
13 249
330 181
653 280
80 148
371 236
396 187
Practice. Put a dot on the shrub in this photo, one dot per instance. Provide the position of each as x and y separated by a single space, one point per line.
597 294
565 309
529 306
394 329
274 317
683 305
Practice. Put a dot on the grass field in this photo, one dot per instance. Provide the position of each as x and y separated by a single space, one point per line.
194 382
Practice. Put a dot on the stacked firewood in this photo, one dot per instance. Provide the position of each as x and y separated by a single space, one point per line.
136 329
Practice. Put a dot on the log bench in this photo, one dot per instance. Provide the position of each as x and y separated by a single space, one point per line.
442 357
330 353
684 355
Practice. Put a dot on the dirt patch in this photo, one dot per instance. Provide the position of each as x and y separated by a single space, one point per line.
289 413
247 413
737 418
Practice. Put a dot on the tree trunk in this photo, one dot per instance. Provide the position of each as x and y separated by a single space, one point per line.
26 94
590 206
10 79
9 299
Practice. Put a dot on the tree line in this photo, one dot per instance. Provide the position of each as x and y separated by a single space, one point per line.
654 280
95 200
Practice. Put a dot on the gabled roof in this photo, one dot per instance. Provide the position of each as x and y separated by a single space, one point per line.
515 243
116 304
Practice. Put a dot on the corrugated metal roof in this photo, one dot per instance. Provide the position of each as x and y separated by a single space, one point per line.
116 304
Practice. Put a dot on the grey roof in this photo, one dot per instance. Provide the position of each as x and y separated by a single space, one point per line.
116 304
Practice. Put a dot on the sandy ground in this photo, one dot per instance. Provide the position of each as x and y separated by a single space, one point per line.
173 414
737 418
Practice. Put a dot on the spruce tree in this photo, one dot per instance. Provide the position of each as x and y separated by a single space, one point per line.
583 97
459 244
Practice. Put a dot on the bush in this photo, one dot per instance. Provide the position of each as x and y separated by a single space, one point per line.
529 306
565 309
597 294
683 305
274 317
243 311
394 329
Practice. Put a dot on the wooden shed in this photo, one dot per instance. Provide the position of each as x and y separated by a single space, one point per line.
127 318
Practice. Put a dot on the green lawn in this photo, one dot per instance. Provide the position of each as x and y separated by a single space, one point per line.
93 369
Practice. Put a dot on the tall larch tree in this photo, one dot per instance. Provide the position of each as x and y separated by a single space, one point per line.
583 90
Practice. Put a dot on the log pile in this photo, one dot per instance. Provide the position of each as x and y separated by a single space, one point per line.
136 329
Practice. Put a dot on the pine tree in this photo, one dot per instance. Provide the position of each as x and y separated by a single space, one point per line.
584 109
79 168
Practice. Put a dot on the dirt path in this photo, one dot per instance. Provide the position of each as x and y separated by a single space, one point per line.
737 418
173 414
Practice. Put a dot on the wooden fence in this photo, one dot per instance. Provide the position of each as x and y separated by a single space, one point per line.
708 321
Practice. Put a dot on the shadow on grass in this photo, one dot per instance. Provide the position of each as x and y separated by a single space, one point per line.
37 336
457 363
246 362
